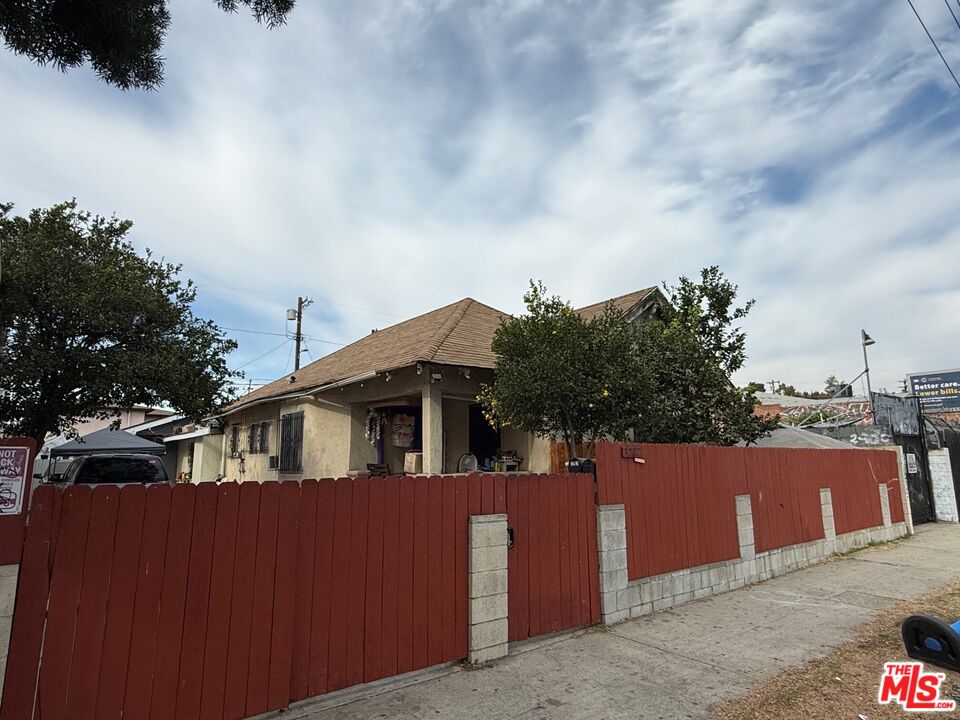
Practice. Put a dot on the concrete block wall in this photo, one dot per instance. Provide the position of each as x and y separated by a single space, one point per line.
622 599
487 588
941 480
8 594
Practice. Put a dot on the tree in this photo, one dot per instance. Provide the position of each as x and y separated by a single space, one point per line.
561 376
693 400
89 324
121 39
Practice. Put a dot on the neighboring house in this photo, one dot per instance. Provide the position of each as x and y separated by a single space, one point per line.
132 419
196 454
411 387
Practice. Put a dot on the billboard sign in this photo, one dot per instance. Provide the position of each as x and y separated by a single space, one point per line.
938 391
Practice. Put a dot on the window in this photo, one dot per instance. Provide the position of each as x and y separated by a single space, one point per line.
258 438
104 469
234 440
291 442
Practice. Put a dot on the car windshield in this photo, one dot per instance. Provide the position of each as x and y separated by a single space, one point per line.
117 470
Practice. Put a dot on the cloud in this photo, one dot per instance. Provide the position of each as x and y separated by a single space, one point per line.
388 158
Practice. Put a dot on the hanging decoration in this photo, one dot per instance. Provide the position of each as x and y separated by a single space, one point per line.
403 427
376 419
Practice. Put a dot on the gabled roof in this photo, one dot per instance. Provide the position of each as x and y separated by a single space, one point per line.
457 334
623 303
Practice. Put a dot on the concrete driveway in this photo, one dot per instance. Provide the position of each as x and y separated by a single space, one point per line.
673 664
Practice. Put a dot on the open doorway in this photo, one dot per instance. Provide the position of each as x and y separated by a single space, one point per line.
484 440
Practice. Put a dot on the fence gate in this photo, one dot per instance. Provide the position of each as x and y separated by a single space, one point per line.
552 576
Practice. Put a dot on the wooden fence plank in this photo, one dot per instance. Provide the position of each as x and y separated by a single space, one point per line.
123 588
421 569
33 589
358 573
194 640
328 497
373 620
435 571
391 577
261 632
448 583
462 564
340 587
64 598
146 610
281 645
92 613
303 610
405 581
176 568
219 608
241 602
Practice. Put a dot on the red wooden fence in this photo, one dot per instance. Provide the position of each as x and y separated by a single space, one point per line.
680 507
553 577
225 601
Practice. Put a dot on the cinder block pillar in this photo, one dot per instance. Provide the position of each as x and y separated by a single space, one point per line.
748 545
829 528
8 594
885 504
488 588
432 427
612 547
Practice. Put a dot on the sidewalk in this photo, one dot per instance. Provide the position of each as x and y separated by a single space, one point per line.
677 663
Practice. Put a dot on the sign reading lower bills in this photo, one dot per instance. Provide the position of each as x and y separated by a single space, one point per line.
938 391
13 478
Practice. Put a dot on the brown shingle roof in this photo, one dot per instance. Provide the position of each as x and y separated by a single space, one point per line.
457 334
624 303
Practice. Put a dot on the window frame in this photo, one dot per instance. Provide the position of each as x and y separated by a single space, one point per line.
290 456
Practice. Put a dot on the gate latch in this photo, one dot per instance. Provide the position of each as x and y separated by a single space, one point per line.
509 537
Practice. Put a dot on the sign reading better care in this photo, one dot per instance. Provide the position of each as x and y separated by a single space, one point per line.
938 391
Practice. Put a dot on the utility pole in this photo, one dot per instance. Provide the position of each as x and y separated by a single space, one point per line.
866 340
302 304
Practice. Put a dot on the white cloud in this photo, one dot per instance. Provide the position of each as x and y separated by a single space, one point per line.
387 158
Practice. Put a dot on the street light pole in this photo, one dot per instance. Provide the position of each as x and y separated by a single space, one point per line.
302 303
864 341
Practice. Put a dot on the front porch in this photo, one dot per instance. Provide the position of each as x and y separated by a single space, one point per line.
427 409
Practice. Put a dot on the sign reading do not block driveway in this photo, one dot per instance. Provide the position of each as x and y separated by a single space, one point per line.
14 463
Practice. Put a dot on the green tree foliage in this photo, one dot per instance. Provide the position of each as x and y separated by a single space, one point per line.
121 39
692 353
87 323
561 376
661 380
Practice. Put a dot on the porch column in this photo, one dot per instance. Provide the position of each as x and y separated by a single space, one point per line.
432 428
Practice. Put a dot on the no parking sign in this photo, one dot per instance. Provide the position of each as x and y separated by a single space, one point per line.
13 476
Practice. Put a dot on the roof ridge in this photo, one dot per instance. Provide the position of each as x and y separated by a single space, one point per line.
646 291
448 327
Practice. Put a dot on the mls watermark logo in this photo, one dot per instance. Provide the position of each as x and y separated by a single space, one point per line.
906 684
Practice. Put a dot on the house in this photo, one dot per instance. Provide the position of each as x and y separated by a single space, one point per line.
411 387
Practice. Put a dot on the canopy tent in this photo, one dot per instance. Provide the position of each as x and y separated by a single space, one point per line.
107 440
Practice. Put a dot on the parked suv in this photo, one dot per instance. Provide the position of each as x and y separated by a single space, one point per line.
115 469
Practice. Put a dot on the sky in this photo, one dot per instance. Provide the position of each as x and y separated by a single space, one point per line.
386 159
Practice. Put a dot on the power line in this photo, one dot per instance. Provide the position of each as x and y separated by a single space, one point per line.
947 3
276 334
936 47
260 357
